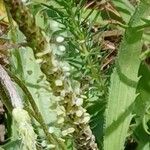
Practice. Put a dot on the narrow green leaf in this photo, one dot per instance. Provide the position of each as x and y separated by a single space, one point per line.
141 105
125 9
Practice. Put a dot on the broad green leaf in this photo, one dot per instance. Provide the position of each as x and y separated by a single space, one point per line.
36 83
122 92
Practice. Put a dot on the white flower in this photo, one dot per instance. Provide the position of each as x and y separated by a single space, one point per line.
84 96
86 118
55 63
54 25
43 143
67 74
62 48
51 129
68 131
79 101
58 83
57 98
62 93
64 133
61 139
60 110
39 61
49 146
24 1
79 113
66 68
60 39
60 120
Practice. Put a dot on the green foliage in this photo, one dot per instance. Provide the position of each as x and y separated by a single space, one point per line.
122 92
12 145
125 8
142 103
57 50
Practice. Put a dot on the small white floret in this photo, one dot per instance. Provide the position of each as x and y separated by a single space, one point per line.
51 146
79 113
79 101
43 143
60 120
51 129
62 48
58 83
60 39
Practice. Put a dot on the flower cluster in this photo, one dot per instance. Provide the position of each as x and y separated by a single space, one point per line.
71 116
